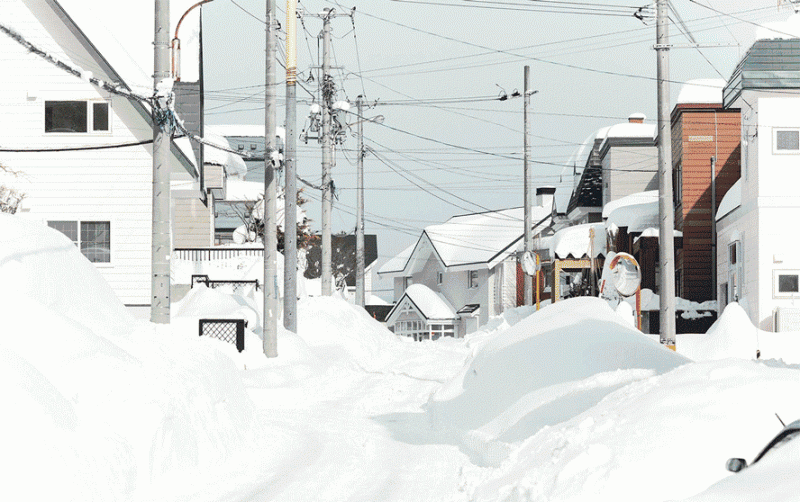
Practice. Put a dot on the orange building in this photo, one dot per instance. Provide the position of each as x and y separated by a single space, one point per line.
705 140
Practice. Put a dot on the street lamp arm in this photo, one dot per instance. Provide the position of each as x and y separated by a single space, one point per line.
176 43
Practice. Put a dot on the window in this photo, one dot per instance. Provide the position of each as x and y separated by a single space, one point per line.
440 330
413 329
472 281
93 238
787 141
735 274
786 283
439 278
76 117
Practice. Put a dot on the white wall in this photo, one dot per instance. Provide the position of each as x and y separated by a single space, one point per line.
770 205
102 185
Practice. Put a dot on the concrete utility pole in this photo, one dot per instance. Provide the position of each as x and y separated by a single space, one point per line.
162 131
360 296
665 208
290 191
270 329
528 193
327 152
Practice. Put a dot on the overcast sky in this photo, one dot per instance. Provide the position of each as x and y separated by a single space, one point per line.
435 70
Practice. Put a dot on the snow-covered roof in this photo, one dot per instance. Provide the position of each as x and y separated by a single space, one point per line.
398 262
127 42
185 145
480 238
631 130
787 29
637 211
242 130
431 304
732 200
656 232
575 241
234 165
702 91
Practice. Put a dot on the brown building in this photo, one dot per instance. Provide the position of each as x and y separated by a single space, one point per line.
705 138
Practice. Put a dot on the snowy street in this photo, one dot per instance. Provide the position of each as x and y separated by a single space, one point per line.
569 403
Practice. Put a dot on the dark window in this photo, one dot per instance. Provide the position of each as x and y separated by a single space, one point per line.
65 116
100 117
74 116
96 241
788 284
93 239
68 228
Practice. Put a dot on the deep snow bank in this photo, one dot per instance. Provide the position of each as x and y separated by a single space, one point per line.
662 438
546 369
98 406
733 335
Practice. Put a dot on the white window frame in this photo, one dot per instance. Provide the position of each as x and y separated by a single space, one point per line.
90 130
775 149
776 274
439 278
78 239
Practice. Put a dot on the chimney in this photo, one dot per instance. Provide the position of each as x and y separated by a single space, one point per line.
636 118
545 197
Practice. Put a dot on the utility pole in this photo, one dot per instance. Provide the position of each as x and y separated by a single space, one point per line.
665 208
290 191
528 194
360 296
162 132
270 328
327 151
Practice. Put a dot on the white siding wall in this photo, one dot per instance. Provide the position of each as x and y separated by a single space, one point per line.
101 185
769 200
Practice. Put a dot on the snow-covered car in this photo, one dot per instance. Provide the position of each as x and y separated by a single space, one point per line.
789 432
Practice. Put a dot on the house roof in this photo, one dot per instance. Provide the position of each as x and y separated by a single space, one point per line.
479 240
430 304
768 64
119 50
575 242
127 43
636 211
701 91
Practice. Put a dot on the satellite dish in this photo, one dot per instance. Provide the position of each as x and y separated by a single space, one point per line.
625 274
530 265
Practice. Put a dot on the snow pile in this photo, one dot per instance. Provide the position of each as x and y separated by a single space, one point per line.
101 405
660 438
347 333
542 371
733 335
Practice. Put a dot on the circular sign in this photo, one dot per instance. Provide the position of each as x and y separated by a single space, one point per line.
625 274
530 265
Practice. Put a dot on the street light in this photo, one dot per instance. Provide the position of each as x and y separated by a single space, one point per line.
176 43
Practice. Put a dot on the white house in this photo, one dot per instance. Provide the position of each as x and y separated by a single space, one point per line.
758 248
470 261
80 154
